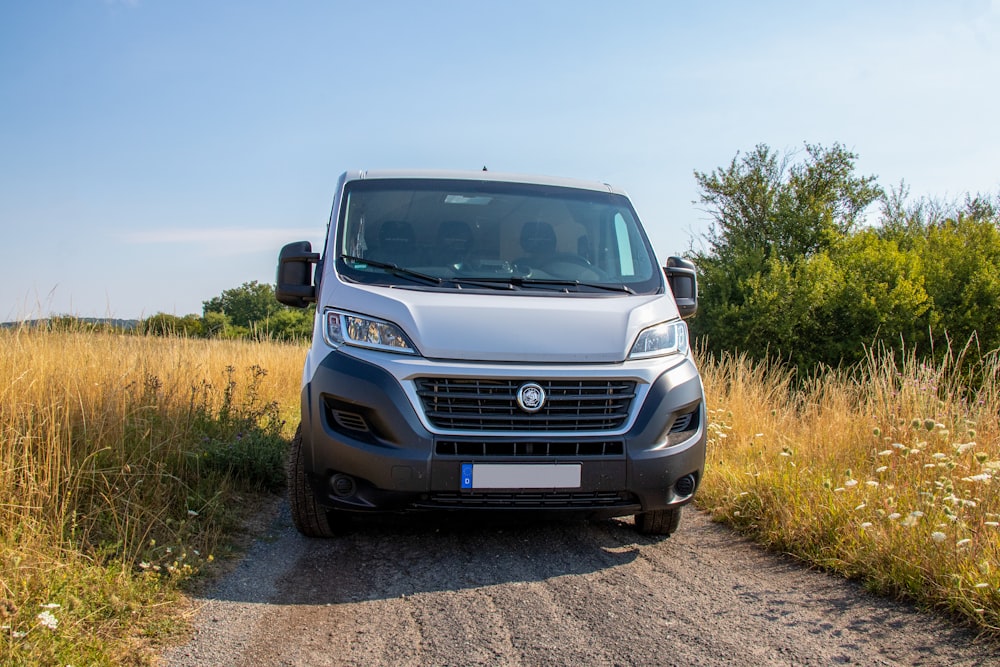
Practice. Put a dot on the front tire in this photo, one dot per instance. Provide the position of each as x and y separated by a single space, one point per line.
309 517
658 522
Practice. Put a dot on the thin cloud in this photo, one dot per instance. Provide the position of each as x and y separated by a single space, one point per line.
228 240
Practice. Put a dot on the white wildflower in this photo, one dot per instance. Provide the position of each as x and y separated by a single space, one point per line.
981 477
887 452
898 445
861 506
48 620
192 513
962 543
994 524
51 605
894 516
881 468
939 456
938 536
981 585
871 483
866 524
964 447
851 482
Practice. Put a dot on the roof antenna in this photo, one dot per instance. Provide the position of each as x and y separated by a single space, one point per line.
484 168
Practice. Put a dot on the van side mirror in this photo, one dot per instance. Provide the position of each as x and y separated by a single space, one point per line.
683 280
294 284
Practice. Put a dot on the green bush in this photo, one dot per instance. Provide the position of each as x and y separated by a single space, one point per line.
790 273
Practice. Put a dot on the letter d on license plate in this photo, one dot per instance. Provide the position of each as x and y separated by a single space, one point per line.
520 476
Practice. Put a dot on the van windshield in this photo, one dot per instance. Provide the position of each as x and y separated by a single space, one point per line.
456 234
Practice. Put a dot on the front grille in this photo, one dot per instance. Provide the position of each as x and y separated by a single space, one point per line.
491 405
532 500
468 448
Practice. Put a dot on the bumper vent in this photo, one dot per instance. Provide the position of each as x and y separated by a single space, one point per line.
688 422
351 421
491 405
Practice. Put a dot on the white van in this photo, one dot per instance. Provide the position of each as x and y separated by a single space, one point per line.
489 342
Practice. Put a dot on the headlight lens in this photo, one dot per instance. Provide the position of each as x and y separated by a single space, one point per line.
350 329
661 340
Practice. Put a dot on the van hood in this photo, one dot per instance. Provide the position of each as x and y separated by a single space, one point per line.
537 327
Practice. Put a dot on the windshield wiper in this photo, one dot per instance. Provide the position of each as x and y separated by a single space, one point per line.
544 282
489 283
394 269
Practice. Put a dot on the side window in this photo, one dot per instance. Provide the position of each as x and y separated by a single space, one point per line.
626 265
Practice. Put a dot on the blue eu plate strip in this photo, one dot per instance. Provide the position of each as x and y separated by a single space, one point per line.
466 475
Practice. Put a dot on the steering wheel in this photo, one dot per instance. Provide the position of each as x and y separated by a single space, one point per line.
568 265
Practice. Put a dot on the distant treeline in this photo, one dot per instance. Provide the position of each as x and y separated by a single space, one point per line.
809 262
247 311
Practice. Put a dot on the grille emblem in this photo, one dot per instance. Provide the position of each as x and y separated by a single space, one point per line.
531 397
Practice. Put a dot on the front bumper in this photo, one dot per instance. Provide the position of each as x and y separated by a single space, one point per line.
368 449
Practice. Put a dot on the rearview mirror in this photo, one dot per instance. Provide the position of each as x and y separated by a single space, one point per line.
294 284
683 281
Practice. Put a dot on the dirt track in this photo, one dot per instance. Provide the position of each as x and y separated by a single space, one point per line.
429 592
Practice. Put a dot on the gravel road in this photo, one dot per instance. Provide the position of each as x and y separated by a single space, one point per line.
433 591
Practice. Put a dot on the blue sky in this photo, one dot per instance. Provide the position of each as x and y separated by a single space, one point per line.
156 152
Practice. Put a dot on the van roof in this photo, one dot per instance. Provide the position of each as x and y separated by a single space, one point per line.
481 175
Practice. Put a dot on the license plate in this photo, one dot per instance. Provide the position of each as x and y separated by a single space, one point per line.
520 475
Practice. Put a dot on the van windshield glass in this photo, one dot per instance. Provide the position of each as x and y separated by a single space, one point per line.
475 234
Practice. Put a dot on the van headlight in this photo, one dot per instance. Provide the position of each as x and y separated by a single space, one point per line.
661 340
341 328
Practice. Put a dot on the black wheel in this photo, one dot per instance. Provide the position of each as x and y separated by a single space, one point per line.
309 517
658 522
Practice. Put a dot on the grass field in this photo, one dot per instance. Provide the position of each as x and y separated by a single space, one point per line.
887 473
124 457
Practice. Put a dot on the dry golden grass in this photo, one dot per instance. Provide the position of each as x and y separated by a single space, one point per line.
888 472
120 461
122 457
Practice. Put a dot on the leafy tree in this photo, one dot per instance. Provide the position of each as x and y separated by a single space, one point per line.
245 305
961 259
765 205
289 324
252 310
768 272
165 324
217 324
